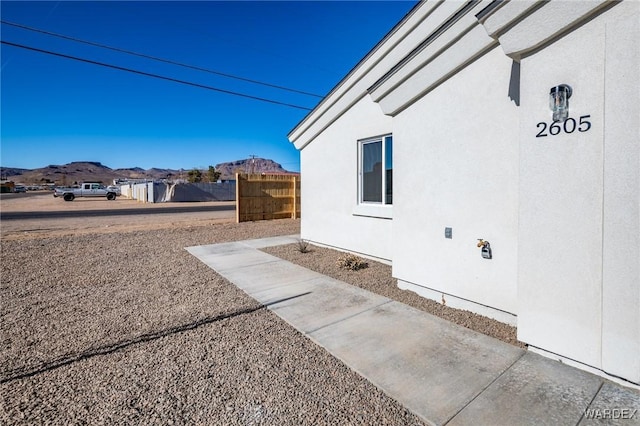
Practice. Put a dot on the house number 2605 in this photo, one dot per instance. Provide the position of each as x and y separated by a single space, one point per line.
570 125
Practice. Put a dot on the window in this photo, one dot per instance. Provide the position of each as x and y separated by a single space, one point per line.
376 170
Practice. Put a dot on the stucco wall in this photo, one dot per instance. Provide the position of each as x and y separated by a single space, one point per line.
578 252
621 243
561 211
456 165
329 167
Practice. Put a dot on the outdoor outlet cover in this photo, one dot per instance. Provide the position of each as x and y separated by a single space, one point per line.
448 232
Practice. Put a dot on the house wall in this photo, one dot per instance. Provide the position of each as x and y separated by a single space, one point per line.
579 233
621 228
561 211
330 185
456 165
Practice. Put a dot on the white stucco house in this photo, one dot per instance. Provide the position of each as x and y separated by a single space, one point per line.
444 134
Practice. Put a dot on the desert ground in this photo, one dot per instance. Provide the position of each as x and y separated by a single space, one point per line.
109 320
45 202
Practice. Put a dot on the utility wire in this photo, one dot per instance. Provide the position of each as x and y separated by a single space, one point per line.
168 61
175 80
229 40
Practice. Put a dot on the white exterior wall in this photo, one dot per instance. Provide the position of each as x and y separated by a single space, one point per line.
579 221
621 228
562 212
329 167
456 165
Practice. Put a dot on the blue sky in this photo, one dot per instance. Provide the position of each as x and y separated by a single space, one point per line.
57 110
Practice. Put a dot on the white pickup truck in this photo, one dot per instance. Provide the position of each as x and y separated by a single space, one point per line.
88 189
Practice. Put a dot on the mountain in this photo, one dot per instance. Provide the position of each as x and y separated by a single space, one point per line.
7 172
91 171
66 174
252 165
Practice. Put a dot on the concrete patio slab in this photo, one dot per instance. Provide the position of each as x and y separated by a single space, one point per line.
444 373
223 262
227 248
216 249
331 301
535 391
614 405
266 275
432 366
272 241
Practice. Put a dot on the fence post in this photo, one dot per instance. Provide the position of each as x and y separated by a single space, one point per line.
238 198
295 198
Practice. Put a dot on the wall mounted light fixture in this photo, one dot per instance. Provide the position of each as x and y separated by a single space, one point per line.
559 101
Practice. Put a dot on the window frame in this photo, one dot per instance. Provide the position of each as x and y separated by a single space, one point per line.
383 140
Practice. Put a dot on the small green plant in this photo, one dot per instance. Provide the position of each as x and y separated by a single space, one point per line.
303 246
351 262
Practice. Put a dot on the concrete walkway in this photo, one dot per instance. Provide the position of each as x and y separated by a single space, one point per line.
444 373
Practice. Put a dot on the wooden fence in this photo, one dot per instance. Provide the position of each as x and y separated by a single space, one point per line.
266 197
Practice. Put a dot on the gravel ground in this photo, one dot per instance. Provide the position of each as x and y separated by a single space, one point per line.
377 279
129 328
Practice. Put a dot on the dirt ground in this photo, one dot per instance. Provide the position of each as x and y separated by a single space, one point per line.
377 279
141 332
109 320
39 202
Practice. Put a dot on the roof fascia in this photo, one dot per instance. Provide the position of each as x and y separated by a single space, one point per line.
521 27
522 30
428 41
351 88
454 44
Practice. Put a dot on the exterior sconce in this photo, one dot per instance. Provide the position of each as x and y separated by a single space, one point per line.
559 101
485 249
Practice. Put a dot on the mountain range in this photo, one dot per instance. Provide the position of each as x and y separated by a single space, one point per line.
91 171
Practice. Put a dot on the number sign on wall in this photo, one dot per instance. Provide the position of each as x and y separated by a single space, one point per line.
570 125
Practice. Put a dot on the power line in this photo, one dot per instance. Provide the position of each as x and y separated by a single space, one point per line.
155 58
196 30
175 80
253 162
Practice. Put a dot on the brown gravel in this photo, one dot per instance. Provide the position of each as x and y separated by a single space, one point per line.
111 321
127 327
377 279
